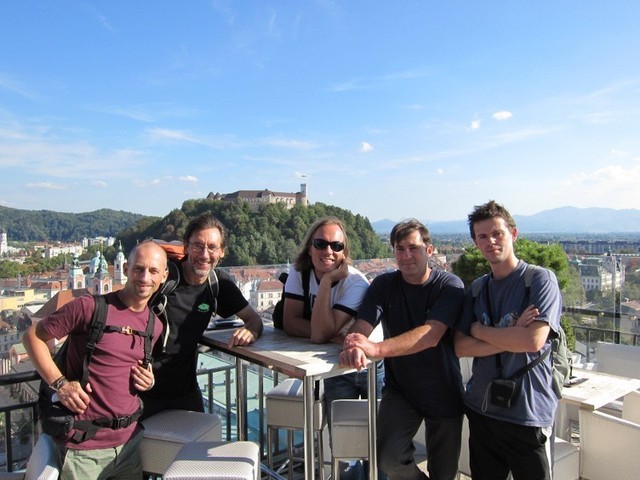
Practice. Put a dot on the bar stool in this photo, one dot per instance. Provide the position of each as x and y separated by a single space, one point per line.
166 432
285 410
216 461
349 432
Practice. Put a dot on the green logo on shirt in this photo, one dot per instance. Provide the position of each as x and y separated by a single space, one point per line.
203 307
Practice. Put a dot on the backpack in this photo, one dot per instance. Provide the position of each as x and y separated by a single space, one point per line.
56 419
559 348
278 309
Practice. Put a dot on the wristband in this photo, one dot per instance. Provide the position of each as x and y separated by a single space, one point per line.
59 383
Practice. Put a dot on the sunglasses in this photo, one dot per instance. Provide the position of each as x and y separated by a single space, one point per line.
320 244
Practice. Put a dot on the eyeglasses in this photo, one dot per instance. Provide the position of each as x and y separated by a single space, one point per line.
320 244
199 248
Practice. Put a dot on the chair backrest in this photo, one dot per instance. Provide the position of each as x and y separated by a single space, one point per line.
43 462
616 359
631 407
463 460
466 367
608 447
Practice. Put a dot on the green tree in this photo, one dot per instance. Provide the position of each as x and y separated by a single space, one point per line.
268 234
472 264
9 269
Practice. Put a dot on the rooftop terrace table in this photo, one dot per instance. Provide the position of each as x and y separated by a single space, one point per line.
298 358
591 390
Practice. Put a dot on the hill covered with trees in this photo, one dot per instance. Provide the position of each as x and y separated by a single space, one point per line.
46 225
269 235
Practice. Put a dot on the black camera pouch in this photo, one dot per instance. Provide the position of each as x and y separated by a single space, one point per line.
502 392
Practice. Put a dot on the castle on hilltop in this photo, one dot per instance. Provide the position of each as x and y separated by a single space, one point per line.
263 197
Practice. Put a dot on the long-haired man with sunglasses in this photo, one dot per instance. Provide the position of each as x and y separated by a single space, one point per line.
418 307
189 309
335 291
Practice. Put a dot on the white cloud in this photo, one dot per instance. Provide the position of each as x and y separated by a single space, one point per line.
613 186
188 178
46 186
99 184
365 147
475 124
440 171
167 134
502 115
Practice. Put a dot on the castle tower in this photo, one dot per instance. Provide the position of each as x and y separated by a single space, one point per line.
76 278
119 278
301 196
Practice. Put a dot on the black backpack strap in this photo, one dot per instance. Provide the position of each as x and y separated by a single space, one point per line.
530 365
87 429
306 277
96 330
158 302
214 288
148 340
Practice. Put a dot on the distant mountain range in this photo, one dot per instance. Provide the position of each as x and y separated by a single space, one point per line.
557 220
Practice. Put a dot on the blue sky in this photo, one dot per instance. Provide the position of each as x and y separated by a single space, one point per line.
389 109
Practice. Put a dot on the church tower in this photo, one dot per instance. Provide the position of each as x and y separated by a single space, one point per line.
76 277
101 282
4 245
119 278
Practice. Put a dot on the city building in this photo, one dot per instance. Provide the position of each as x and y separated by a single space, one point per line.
53 251
598 273
266 294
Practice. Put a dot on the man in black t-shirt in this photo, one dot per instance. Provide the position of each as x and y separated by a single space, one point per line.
418 308
189 309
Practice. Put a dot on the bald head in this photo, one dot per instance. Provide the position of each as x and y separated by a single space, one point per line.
146 270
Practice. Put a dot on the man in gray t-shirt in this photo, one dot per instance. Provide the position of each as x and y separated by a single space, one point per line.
507 325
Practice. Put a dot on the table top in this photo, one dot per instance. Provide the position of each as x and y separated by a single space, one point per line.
591 390
294 356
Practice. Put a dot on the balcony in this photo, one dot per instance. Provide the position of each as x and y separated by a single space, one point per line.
217 376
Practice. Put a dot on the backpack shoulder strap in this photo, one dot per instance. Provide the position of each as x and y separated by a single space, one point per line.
478 284
96 330
148 339
528 274
158 302
306 278
214 286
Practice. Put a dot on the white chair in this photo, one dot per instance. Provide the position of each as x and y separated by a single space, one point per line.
285 410
631 407
42 464
608 447
166 432
463 460
566 460
349 432
216 461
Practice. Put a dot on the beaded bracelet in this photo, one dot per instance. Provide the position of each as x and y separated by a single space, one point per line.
59 383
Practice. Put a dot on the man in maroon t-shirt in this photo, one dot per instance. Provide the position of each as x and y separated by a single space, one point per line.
116 374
